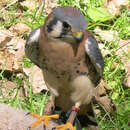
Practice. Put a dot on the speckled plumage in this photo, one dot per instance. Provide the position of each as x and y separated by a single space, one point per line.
70 75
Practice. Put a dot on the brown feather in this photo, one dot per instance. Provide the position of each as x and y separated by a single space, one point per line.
63 66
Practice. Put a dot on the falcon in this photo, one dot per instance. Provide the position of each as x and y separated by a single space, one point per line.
72 66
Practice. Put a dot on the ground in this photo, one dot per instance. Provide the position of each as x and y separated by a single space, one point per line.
107 20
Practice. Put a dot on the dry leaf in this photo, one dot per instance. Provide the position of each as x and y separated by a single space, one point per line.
17 51
124 47
19 48
105 102
107 35
20 28
127 81
102 98
36 77
7 89
6 60
11 51
4 3
30 4
127 78
49 5
114 6
5 37
104 84
99 90
5 16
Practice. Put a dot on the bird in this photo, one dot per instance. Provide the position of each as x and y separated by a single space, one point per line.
72 66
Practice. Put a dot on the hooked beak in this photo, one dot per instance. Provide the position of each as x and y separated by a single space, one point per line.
71 36
77 35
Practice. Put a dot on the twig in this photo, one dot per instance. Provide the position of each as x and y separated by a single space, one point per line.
107 113
127 42
103 117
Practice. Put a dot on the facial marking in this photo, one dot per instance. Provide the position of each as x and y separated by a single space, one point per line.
56 29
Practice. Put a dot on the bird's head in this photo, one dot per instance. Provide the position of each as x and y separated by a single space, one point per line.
65 23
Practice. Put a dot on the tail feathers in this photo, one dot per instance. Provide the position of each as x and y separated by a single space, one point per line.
88 122
87 118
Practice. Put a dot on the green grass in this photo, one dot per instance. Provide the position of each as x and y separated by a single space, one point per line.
92 9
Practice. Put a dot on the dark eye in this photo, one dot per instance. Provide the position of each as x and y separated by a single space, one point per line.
66 26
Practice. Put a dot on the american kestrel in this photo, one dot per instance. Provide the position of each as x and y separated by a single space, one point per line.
72 65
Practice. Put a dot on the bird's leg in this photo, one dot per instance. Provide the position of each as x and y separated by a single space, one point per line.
47 114
70 121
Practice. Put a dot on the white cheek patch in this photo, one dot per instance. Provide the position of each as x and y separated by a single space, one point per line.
57 29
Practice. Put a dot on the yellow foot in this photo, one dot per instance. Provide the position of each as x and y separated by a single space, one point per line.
65 126
45 118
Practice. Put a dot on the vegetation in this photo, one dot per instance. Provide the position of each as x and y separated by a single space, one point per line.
96 16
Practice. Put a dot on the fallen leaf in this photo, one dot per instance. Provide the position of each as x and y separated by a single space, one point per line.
11 51
105 102
102 98
127 78
20 28
30 4
108 36
3 3
7 89
99 90
104 84
5 37
6 60
127 81
49 5
35 76
19 48
5 15
124 48
114 6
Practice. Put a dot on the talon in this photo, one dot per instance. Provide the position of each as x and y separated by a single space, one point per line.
66 126
48 118
45 118
35 115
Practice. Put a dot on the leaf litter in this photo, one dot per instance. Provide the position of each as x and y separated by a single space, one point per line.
12 50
